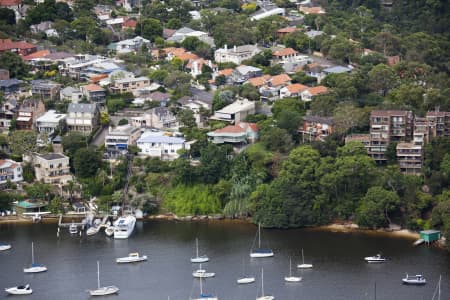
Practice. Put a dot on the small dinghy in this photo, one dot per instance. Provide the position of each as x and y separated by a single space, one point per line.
131 258
19 290
375 259
4 246
414 280
109 231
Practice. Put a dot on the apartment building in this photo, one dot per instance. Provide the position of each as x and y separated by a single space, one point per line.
439 122
82 117
129 84
52 168
236 112
388 126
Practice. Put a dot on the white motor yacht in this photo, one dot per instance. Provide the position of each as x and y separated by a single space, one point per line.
4 246
19 290
414 280
132 257
375 259
124 226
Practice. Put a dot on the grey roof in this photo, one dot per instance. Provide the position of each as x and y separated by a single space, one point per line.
9 82
184 30
317 119
337 70
52 156
161 111
59 55
159 96
243 69
82 107
67 91
202 96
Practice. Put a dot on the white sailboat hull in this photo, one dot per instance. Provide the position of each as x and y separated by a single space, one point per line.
260 255
200 259
124 260
203 274
19 290
292 279
246 280
5 247
35 269
93 230
106 290
371 259
305 266
265 298
205 298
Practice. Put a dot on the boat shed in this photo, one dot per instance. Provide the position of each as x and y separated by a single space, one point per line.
430 236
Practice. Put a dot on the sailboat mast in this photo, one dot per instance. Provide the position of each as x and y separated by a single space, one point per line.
262 282
303 257
259 235
32 253
201 287
196 245
290 267
439 287
98 274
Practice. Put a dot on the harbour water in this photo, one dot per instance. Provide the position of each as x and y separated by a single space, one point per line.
339 269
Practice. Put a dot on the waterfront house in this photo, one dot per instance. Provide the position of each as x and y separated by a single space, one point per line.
48 122
52 168
236 112
121 137
241 133
82 117
155 144
10 170
236 55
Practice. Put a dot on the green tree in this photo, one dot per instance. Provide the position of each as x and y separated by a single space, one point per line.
14 64
151 29
382 79
7 16
86 162
376 206
72 142
186 118
277 139
22 142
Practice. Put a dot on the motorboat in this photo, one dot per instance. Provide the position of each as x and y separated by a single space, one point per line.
204 296
201 273
19 290
93 230
132 257
303 265
73 228
4 246
375 259
109 231
246 280
414 280
263 296
124 226
260 252
104 290
291 278
197 258
35 267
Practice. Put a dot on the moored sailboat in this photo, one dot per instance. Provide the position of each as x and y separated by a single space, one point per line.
260 252
35 267
264 297
197 258
291 278
303 265
104 290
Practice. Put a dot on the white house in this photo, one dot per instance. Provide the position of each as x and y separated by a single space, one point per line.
10 170
49 121
236 112
236 54
131 45
121 137
164 147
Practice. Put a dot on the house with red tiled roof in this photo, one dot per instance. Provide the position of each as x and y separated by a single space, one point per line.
309 94
11 4
259 81
292 90
19 47
278 81
129 24
36 55
94 93
282 32
286 54
242 133
10 170
181 53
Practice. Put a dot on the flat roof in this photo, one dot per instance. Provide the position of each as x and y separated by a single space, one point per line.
51 116
237 106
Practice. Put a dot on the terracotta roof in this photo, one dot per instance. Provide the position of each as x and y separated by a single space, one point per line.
7 44
279 79
253 126
314 91
312 10
200 63
187 56
284 52
93 88
226 72
230 129
130 23
10 2
37 54
259 81
296 88
288 30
